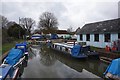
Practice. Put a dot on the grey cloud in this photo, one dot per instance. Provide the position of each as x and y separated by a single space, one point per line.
119 9
108 9
69 14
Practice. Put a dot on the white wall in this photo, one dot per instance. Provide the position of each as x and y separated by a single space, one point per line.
101 42
114 37
84 37
78 38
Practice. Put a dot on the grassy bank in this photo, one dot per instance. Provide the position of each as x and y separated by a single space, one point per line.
8 46
96 48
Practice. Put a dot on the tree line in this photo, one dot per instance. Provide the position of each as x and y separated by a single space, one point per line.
10 30
13 30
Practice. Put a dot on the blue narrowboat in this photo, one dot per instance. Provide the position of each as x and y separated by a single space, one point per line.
75 50
36 36
14 63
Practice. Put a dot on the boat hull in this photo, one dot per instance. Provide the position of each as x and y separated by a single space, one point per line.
75 51
81 56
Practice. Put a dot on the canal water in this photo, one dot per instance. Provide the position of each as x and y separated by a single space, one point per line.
46 63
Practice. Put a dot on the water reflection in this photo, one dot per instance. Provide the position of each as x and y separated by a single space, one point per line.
49 67
47 58
47 63
32 52
44 54
92 65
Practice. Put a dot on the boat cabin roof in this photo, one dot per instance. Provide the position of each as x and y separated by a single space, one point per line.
63 45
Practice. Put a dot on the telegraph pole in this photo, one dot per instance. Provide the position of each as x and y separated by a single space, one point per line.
19 29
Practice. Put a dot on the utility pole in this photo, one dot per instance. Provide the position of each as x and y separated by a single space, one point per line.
19 29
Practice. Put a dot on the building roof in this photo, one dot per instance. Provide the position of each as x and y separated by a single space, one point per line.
56 31
108 26
61 32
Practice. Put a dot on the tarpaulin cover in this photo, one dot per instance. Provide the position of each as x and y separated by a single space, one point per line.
76 50
114 67
54 36
4 71
24 49
14 56
24 43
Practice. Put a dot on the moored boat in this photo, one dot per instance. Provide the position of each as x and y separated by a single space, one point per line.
75 50
87 51
14 63
113 70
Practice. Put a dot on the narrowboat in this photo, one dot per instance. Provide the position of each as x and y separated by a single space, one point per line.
14 63
113 70
75 50
87 51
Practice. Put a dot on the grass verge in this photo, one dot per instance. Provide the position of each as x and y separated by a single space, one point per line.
96 48
7 46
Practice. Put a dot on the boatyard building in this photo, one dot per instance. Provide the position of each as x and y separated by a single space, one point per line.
99 34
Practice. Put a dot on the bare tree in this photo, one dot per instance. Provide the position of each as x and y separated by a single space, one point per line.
70 29
3 21
27 24
48 21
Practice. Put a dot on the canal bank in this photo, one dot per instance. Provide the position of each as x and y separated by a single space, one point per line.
46 63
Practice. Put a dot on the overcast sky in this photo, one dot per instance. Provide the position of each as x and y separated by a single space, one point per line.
75 13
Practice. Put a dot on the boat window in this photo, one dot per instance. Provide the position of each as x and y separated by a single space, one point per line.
81 37
96 37
87 37
20 47
107 37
